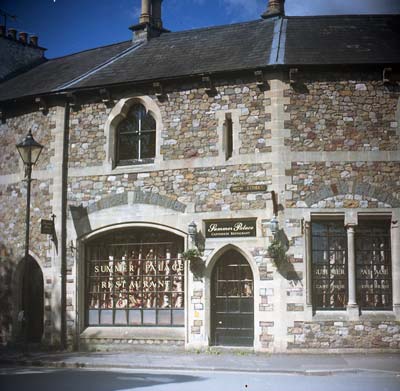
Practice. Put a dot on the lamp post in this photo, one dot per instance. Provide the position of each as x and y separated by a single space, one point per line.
29 150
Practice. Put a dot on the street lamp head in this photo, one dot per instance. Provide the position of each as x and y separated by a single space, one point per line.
29 150
274 225
192 229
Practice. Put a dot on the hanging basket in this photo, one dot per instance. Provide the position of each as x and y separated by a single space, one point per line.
277 252
193 256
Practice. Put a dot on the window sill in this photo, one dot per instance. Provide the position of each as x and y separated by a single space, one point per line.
133 168
378 315
329 315
342 315
114 332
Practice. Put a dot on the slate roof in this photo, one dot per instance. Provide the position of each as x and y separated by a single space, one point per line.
51 74
314 40
345 39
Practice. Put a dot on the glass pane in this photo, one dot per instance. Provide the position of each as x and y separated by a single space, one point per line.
135 317
149 317
106 317
247 289
164 317
93 317
121 317
233 305
177 300
148 122
148 145
128 147
178 317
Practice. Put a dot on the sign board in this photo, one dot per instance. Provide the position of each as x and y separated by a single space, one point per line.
47 227
233 228
248 188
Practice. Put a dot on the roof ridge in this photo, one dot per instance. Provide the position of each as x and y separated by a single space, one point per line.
218 27
337 15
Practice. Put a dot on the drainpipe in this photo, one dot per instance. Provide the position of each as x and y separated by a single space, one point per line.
64 200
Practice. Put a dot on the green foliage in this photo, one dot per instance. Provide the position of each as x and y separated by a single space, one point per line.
277 251
197 265
192 254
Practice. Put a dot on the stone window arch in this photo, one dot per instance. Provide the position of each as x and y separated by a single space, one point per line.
133 131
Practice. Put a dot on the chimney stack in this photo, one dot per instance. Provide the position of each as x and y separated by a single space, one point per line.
23 37
146 12
275 8
150 21
12 33
156 11
33 40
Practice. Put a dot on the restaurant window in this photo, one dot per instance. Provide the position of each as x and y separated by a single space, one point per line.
136 137
329 265
135 277
373 264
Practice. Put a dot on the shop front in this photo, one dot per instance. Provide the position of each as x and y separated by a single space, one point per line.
134 285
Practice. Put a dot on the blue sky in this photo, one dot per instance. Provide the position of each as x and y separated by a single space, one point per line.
68 26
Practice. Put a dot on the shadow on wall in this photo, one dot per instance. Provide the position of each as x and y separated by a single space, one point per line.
284 266
7 268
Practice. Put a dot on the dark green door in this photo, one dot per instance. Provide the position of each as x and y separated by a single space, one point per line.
232 301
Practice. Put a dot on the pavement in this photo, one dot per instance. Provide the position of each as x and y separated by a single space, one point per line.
210 360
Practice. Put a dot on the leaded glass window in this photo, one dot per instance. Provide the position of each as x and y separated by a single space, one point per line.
135 277
329 265
373 264
136 137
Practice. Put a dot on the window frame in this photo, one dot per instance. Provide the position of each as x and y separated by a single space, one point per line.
138 134
388 255
331 278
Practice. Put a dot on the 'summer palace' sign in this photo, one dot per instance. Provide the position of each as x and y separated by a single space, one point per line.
230 228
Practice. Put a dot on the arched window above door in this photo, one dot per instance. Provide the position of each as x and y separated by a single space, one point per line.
136 137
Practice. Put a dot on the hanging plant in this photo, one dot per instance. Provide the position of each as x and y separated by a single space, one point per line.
277 251
191 254
197 266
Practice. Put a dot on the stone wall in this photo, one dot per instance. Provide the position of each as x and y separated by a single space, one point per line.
87 141
344 335
191 126
207 188
349 115
12 221
14 131
344 185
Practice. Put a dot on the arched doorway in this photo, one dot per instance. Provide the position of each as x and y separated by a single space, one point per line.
32 302
232 306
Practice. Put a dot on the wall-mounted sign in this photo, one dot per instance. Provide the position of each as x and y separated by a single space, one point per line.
248 188
47 227
235 228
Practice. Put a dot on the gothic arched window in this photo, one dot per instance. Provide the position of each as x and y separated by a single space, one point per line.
136 137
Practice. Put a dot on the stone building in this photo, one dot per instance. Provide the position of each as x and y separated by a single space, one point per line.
234 185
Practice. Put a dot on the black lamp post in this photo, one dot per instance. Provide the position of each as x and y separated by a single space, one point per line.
29 150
